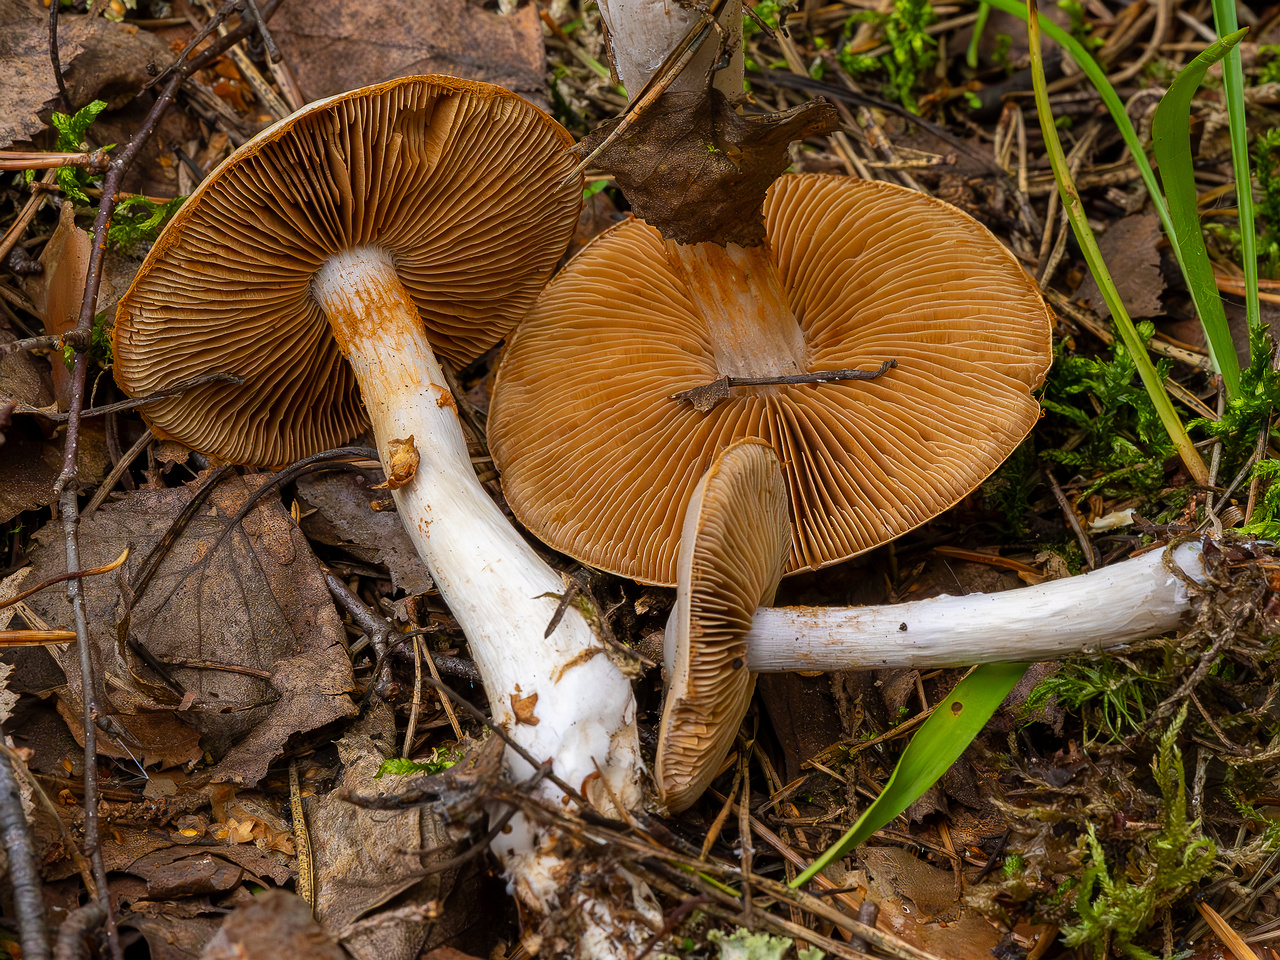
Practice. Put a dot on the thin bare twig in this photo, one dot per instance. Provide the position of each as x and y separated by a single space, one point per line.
72 575
28 896
56 60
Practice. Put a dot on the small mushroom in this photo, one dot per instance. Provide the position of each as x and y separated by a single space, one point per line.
716 642
599 460
733 547
326 263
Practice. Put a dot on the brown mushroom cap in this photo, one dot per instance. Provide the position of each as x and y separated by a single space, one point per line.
733 546
599 462
458 180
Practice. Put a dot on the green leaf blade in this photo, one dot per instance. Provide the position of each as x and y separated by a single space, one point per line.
939 742
1171 140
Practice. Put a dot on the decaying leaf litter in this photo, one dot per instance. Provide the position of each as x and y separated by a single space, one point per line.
1106 800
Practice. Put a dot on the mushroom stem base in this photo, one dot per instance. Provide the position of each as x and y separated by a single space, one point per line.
1127 601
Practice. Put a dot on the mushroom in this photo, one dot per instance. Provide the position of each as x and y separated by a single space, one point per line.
716 641
733 547
326 262
599 460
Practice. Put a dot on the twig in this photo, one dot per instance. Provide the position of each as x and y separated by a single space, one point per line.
90 697
711 395
56 60
31 343
444 701
73 575
19 225
95 162
109 482
746 852
1073 521
132 404
75 929
28 897
417 698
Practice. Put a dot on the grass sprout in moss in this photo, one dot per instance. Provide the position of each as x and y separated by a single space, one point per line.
1109 694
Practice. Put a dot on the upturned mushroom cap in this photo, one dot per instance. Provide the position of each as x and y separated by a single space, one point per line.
733 546
598 460
458 181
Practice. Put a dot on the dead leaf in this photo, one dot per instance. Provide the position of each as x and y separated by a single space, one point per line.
97 56
343 519
1129 248
366 860
31 464
523 708
258 602
334 47
920 903
57 291
404 457
697 171
274 926
166 741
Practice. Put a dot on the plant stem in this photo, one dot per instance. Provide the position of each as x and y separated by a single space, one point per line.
1093 256
1224 19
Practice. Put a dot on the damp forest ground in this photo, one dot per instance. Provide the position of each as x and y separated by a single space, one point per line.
1123 805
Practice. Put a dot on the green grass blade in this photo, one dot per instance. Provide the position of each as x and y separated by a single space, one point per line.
1224 17
935 747
1171 139
1097 266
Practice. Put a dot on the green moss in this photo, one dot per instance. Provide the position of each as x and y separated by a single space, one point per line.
1116 902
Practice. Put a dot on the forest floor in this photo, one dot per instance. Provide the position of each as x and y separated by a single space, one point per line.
1126 804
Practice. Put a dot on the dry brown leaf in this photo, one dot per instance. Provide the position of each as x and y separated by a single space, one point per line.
342 518
275 925
1129 248
258 602
58 290
98 56
334 47
366 861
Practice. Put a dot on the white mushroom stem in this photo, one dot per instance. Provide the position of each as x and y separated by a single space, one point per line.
643 32
559 697
1127 601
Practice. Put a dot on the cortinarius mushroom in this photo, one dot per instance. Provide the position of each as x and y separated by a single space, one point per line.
599 460
733 546
717 642
326 262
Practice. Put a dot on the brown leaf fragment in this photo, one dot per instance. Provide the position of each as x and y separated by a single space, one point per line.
336 513
706 397
193 877
697 171
1130 249
369 862
98 56
404 458
274 926
58 289
335 47
523 708
259 601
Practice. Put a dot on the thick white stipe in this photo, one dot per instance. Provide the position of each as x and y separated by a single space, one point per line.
1126 601
501 593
